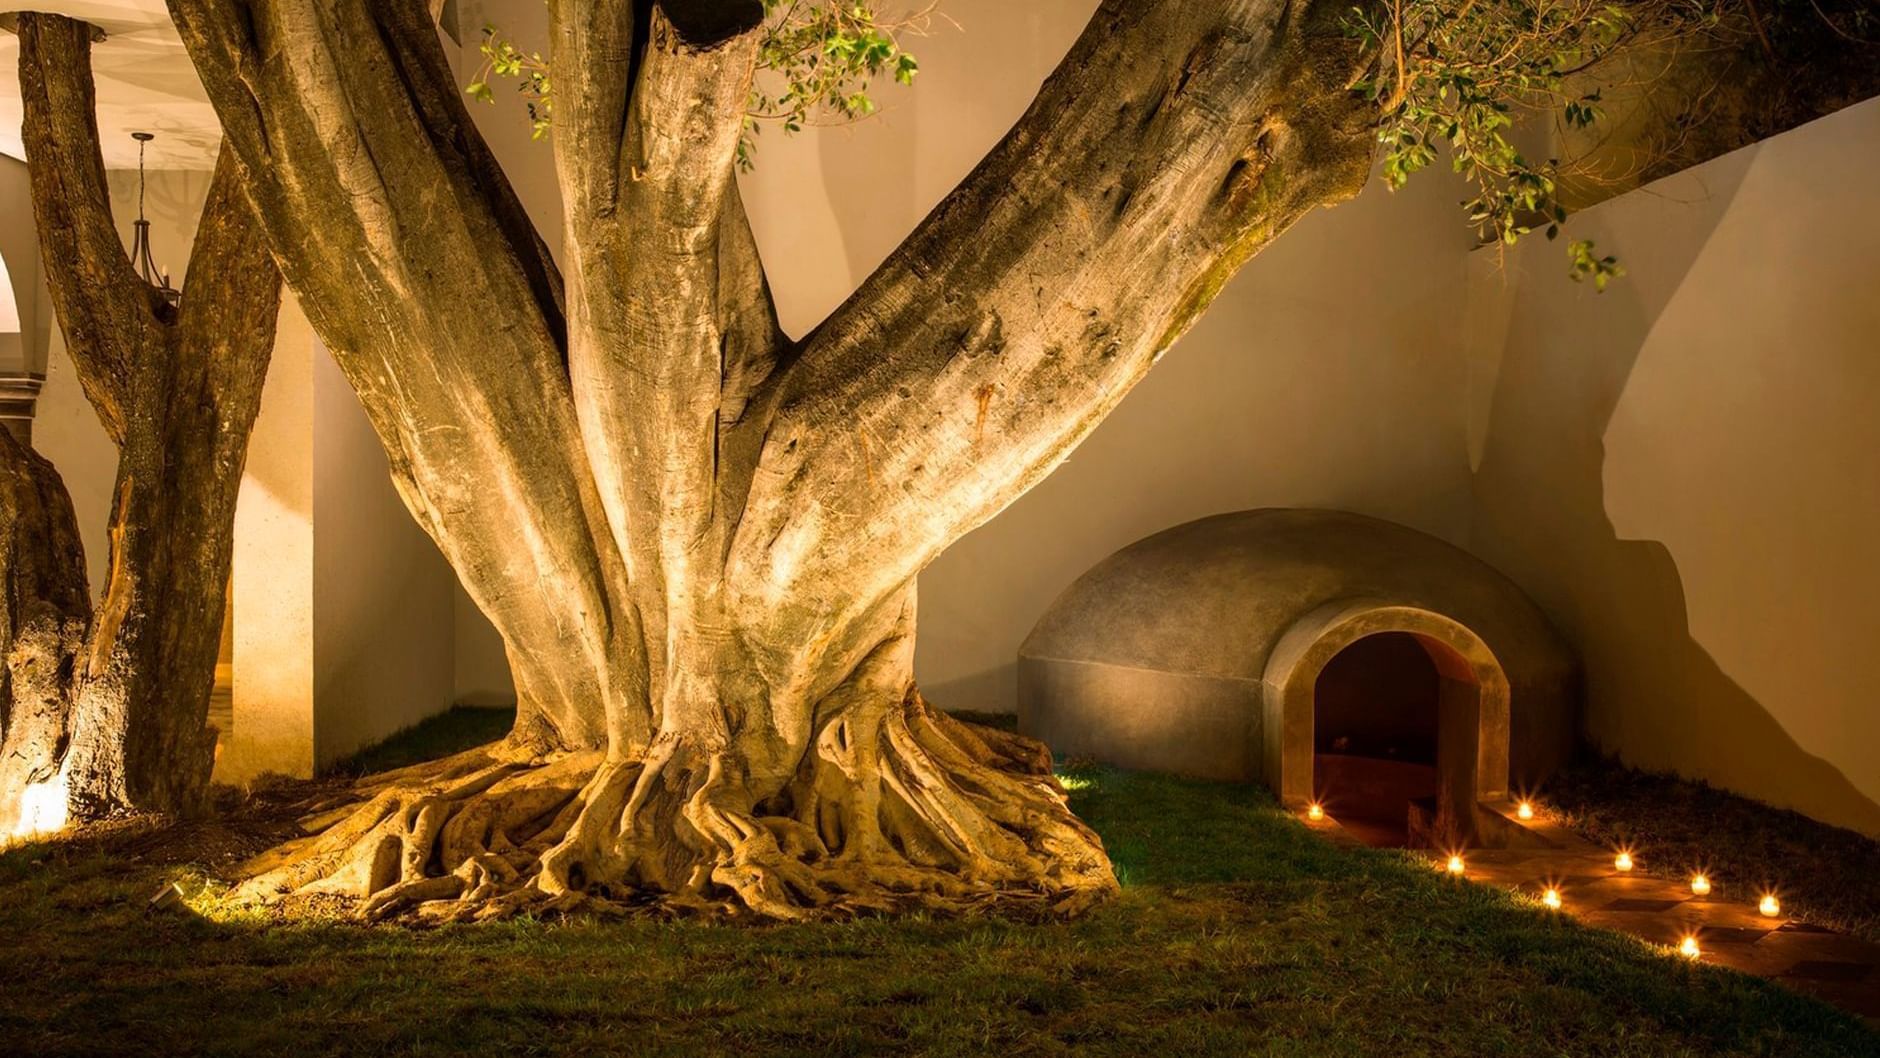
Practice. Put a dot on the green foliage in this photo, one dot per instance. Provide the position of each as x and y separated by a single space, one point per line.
501 58
817 62
1588 265
1458 74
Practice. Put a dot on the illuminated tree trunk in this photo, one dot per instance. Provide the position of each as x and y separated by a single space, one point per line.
109 710
698 538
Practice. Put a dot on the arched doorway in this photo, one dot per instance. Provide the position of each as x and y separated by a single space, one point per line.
1394 717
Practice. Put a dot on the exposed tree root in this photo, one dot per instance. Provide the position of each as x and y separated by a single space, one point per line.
912 811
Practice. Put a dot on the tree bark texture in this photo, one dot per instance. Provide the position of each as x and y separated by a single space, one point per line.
177 388
698 538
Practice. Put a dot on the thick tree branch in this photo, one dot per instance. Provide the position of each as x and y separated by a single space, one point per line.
647 342
233 302
1173 142
107 313
395 228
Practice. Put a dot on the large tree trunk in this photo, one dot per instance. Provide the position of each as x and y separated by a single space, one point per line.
177 388
698 538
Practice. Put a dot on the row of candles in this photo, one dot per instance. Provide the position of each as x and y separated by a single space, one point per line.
1769 906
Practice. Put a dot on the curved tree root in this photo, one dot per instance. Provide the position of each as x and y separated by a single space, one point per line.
911 810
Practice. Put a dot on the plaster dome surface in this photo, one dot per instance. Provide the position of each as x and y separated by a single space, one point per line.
1159 656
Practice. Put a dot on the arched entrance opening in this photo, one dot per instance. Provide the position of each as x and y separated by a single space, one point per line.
1393 717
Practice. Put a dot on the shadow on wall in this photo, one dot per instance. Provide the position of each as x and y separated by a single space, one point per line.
1653 691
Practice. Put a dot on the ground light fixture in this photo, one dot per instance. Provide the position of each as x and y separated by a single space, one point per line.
1551 897
1315 811
1623 861
1456 867
1770 906
1700 884
1688 946
1525 810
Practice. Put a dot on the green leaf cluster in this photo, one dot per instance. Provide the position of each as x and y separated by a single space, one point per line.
1455 76
817 62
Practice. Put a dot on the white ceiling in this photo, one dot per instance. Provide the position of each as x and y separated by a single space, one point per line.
145 83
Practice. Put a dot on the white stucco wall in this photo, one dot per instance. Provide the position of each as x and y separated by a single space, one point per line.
1683 470
382 621
272 574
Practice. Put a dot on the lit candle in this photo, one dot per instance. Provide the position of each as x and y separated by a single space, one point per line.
1456 866
1689 948
1315 811
1700 885
1551 898
1623 861
1525 810
1770 906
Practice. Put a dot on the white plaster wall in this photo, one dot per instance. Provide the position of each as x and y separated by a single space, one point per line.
1683 470
272 575
382 594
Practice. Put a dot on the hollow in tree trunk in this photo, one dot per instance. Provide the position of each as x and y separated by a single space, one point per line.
698 537
107 710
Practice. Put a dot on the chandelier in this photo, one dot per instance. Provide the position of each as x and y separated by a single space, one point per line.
140 237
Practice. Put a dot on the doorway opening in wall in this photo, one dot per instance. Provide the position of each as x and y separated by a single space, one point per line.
1395 724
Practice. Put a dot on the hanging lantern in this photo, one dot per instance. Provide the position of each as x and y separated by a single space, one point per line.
140 233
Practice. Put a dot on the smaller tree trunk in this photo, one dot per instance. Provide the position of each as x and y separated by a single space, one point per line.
120 720
44 611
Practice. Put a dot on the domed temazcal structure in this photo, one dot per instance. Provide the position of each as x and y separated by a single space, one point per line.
1335 657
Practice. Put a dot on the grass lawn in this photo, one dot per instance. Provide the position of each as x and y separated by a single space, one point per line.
1237 934
1824 874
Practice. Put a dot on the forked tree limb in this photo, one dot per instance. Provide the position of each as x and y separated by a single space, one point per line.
107 313
1173 142
179 391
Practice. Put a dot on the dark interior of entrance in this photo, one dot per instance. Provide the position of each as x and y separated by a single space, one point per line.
1395 719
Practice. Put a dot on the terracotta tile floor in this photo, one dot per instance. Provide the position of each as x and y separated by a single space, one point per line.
1838 968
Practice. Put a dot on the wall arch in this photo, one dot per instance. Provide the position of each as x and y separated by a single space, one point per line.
1303 651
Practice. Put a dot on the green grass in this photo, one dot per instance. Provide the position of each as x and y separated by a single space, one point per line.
1824 874
452 731
1238 933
